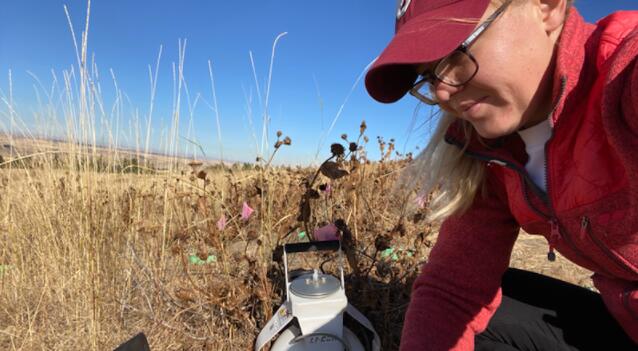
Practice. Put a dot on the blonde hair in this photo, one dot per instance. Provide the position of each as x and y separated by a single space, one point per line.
443 173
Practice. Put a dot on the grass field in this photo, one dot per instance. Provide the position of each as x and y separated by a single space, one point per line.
90 258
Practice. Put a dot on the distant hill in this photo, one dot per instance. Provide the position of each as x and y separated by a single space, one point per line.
20 146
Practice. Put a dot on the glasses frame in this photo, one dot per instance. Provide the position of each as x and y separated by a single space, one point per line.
430 77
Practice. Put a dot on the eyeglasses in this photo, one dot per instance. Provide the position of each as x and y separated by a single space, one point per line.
457 68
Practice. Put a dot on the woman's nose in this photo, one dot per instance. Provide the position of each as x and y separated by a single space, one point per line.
444 92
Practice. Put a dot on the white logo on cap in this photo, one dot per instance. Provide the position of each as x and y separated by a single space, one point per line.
402 7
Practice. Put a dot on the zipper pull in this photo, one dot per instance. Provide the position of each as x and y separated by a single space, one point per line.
553 236
551 256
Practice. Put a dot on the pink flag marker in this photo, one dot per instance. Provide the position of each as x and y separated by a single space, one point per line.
420 200
246 211
328 189
221 223
327 232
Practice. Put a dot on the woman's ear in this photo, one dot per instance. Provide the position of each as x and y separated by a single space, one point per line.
553 14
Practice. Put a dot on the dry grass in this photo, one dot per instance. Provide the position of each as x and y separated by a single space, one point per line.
92 258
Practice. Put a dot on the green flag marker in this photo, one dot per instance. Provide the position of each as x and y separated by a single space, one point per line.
387 252
301 235
194 259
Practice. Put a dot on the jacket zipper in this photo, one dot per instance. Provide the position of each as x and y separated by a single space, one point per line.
585 228
553 222
554 235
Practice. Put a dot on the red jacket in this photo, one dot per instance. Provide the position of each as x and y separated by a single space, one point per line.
589 213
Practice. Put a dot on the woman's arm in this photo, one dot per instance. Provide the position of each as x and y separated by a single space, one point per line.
459 288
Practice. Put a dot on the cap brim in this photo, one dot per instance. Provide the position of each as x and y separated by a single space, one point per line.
425 38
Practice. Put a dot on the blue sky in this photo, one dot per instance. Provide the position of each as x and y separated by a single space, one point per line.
328 45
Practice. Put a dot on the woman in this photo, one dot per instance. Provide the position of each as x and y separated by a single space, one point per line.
539 131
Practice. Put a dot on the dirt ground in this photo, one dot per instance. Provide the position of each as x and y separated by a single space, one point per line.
530 252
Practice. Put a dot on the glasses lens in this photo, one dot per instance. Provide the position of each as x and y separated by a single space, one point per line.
456 69
424 91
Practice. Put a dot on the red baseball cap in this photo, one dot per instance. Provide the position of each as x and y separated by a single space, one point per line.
425 31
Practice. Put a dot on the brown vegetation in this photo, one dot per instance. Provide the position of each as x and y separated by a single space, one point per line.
91 258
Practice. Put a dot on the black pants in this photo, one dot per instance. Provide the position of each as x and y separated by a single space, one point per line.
542 313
